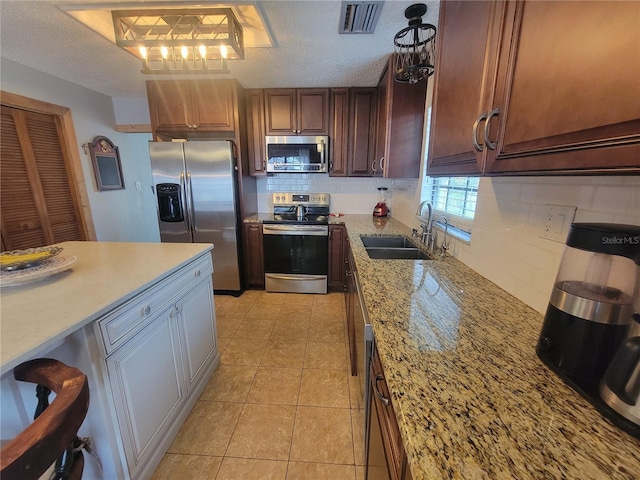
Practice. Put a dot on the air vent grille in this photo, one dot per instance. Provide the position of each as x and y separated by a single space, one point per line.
359 17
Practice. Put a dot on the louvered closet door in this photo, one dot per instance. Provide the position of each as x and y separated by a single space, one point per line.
36 200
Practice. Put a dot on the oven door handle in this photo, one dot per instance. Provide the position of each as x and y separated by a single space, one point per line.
297 278
295 230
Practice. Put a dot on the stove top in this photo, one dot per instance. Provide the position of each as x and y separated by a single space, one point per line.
316 206
292 218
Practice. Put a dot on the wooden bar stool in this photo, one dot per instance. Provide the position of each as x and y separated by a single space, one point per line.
52 436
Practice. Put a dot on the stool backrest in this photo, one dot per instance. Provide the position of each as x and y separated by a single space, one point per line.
38 446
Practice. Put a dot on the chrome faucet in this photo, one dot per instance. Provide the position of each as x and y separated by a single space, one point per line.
426 236
445 242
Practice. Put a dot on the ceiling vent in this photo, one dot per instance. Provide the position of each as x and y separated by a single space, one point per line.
359 17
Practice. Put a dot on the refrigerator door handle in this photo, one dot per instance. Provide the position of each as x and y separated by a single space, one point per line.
192 213
187 210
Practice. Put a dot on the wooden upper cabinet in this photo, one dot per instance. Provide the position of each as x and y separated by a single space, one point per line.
567 101
339 133
290 111
254 104
465 58
213 105
187 105
400 131
362 130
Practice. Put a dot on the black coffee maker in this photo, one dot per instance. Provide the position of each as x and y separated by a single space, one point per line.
591 308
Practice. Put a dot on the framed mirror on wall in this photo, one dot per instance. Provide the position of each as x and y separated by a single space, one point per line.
107 168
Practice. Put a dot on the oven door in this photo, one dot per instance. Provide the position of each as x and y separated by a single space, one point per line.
296 258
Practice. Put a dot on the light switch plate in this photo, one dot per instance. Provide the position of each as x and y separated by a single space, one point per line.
556 222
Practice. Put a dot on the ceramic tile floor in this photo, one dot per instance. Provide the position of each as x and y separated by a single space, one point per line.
282 405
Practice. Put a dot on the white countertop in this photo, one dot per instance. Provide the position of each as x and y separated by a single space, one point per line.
35 316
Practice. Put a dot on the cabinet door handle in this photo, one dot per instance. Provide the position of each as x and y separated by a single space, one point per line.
474 135
145 311
382 398
493 113
382 164
373 166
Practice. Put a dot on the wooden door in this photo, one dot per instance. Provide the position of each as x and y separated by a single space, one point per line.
313 111
280 111
337 257
339 136
362 114
197 325
169 105
466 44
405 105
383 116
254 104
40 203
253 255
570 98
213 105
147 387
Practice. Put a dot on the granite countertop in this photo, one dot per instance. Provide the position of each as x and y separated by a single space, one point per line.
472 399
106 274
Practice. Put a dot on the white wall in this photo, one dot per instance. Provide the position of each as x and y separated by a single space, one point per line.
119 215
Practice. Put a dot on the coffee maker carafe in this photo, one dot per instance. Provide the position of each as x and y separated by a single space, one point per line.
620 387
591 305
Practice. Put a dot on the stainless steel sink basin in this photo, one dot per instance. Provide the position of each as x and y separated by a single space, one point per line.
387 242
392 248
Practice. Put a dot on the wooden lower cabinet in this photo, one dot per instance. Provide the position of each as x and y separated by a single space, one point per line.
337 257
385 429
253 256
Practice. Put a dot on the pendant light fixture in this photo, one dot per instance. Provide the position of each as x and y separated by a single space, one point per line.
189 40
414 47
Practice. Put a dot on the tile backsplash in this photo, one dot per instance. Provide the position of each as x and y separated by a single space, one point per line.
506 246
348 195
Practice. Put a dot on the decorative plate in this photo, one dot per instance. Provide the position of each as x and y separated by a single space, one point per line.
31 257
46 269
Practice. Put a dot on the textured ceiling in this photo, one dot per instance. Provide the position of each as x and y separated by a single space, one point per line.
309 52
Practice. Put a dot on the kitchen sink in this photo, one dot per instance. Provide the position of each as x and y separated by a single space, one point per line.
392 248
387 242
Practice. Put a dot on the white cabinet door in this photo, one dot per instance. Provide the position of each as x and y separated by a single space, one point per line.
146 382
197 328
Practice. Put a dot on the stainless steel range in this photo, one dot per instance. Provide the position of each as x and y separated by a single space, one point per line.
296 243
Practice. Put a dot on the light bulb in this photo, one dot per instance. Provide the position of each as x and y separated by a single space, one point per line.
203 51
223 51
143 52
184 51
164 51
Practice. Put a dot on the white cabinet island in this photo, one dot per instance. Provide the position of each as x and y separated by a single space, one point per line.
139 320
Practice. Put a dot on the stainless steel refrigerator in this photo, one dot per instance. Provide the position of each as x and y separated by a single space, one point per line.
196 190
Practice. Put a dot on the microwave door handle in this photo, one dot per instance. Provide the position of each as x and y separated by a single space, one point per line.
323 156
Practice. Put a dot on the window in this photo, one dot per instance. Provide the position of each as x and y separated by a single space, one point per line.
456 199
455 195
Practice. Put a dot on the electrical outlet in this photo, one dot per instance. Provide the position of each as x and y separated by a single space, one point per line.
556 222
138 187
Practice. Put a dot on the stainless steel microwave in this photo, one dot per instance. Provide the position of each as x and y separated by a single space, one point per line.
297 153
